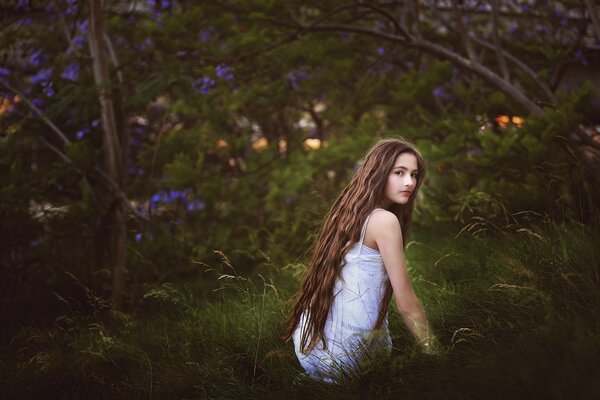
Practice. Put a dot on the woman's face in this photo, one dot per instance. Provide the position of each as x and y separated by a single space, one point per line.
402 180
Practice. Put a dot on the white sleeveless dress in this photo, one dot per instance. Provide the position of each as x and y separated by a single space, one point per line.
353 314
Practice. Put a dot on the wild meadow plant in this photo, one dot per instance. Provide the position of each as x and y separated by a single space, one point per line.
515 310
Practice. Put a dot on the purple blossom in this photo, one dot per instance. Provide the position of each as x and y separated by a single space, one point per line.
78 42
43 75
82 133
147 43
39 103
96 123
71 72
203 85
224 71
206 34
380 51
579 57
25 22
196 205
83 26
22 4
4 73
36 58
441 93
296 76
49 89
138 237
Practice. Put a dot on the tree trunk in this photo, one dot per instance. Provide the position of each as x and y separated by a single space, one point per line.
113 158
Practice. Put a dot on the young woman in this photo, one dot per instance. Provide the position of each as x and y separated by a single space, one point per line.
339 317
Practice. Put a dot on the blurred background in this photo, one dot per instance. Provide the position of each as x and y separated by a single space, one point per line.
166 165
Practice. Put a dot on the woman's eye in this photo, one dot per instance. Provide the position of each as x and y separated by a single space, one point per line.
399 172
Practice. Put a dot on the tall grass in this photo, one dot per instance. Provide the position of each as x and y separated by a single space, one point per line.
517 314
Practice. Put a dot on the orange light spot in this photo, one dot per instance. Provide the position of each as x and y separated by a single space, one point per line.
518 121
440 167
221 144
312 144
260 144
502 120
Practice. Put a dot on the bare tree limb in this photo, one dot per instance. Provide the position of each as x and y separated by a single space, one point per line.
113 57
509 56
594 16
464 34
39 112
497 43
106 180
487 74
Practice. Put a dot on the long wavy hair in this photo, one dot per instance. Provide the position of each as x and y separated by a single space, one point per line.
341 230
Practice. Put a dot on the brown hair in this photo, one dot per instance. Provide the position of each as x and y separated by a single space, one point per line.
341 230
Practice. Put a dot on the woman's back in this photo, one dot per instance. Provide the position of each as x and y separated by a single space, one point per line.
358 293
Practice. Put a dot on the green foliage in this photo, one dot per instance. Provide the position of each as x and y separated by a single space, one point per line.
497 305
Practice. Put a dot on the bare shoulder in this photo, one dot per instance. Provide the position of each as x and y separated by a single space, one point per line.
383 226
383 220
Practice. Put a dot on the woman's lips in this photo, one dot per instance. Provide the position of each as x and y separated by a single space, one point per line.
406 192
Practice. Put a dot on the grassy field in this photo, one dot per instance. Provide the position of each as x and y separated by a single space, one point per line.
517 313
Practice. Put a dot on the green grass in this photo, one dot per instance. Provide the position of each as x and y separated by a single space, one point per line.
517 315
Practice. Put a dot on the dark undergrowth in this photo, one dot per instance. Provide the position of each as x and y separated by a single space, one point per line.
517 314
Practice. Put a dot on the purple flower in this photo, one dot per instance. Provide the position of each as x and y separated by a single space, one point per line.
224 71
71 72
82 133
203 85
4 73
138 237
49 89
83 26
39 103
196 205
441 93
96 123
579 57
380 51
206 34
296 76
36 58
22 4
25 22
43 75
147 43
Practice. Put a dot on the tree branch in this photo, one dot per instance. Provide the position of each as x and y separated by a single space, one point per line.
497 43
106 180
490 76
594 16
509 56
464 34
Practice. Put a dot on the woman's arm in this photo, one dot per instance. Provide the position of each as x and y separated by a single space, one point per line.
386 232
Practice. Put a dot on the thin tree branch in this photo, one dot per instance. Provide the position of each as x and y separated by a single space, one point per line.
490 76
464 34
106 180
39 112
497 43
509 56
594 16
113 57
